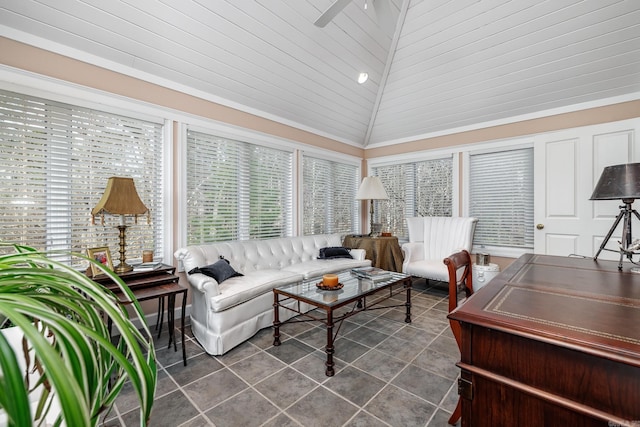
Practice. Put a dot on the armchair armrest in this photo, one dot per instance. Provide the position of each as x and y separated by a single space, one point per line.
413 251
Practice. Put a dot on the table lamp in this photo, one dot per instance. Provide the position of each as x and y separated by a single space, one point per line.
121 198
371 189
620 182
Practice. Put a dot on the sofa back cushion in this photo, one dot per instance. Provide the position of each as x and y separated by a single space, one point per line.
250 255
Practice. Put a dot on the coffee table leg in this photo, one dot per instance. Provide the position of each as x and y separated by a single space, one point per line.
276 321
408 303
329 349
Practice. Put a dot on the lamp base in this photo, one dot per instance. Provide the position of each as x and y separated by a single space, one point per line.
122 268
625 216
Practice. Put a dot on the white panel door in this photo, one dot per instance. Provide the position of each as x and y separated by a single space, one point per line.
567 166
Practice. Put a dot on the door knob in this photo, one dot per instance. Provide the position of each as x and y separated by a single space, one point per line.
540 226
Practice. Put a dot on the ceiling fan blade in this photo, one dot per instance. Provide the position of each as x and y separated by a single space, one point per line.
331 12
386 15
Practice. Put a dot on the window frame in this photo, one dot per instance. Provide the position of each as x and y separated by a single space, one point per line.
422 156
487 148
223 131
32 85
332 157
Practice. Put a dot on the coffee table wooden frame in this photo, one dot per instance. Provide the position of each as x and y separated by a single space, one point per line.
397 284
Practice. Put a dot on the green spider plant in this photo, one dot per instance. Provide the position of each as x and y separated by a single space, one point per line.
66 341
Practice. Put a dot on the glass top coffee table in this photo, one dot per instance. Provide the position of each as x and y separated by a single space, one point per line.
364 294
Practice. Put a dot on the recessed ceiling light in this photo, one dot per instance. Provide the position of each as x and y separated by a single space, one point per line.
363 77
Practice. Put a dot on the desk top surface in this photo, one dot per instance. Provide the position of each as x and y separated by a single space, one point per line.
574 302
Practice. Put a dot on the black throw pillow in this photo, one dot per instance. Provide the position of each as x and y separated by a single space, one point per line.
221 270
334 252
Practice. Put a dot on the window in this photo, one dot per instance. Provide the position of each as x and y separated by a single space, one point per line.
414 189
237 190
55 162
501 197
329 196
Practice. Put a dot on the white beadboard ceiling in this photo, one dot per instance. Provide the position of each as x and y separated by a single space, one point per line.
450 64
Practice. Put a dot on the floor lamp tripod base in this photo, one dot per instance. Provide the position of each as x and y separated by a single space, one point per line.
625 214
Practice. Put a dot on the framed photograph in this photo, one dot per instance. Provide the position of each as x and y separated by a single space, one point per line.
103 256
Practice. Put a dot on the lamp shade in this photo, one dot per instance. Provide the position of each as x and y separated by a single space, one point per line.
371 189
120 198
618 182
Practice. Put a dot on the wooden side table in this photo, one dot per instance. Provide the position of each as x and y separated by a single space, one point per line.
384 252
158 283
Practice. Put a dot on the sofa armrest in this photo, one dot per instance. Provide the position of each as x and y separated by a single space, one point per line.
203 283
358 254
200 282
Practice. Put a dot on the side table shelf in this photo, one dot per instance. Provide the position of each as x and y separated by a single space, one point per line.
157 284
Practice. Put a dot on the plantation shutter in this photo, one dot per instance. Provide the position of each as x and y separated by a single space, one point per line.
237 190
414 189
55 162
501 197
329 196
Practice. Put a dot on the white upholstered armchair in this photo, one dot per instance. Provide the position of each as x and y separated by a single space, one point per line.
432 239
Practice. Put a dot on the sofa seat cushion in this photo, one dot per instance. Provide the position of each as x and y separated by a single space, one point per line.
237 290
318 267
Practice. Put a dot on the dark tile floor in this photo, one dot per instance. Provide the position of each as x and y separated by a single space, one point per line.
388 373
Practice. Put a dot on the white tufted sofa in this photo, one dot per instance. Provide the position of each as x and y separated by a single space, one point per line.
226 314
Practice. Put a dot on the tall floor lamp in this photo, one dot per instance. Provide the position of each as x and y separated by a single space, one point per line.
372 189
620 182
121 198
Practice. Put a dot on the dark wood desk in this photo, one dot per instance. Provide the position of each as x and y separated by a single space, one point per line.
552 341
384 252
159 283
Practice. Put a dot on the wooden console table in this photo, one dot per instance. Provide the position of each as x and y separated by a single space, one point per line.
552 341
159 283
384 252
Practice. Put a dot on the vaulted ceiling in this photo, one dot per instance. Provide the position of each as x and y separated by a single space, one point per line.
447 64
